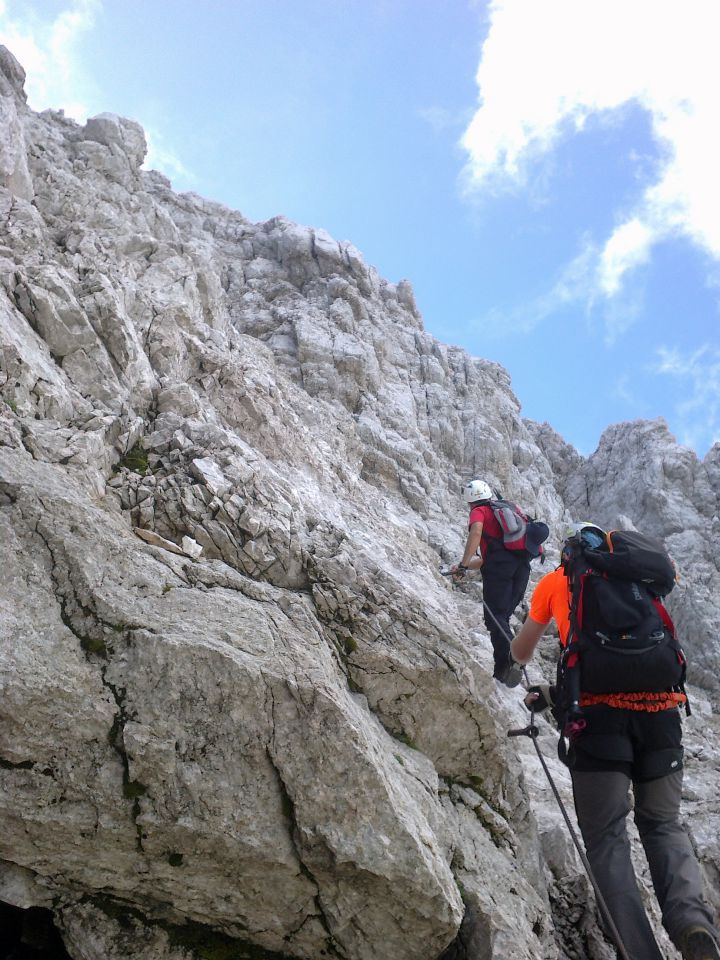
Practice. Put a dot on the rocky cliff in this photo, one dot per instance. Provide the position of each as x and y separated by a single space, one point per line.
241 713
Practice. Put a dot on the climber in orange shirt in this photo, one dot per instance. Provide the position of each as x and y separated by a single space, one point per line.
635 739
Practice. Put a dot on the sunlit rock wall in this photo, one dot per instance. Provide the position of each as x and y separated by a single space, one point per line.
240 709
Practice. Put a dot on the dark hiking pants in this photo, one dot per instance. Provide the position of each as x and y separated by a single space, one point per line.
617 749
505 577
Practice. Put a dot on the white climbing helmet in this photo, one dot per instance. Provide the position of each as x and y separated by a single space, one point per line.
590 533
478 490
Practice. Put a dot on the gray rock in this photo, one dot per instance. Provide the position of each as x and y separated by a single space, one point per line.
289 742
14 174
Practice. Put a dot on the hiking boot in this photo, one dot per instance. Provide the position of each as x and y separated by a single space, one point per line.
509 673
697 943
500 670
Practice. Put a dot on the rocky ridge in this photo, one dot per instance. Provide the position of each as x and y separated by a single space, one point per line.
242 714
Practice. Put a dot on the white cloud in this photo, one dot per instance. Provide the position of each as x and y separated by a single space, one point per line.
698 374
619 314
575 286
629 246
569 288
547 67
441 119
47 50
624 390
161 157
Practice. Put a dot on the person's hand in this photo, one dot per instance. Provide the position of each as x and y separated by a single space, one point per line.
539 697
458 571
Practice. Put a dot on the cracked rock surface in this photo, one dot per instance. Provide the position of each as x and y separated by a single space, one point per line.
241 713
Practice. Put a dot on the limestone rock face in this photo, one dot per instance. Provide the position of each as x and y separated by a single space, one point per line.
242 713
14 174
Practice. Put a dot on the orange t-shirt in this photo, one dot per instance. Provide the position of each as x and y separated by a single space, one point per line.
551 600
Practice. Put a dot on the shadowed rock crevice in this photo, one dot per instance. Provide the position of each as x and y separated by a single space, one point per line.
123 926
30 934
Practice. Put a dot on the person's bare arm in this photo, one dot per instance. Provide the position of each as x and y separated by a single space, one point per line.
523 646
471 559
472 546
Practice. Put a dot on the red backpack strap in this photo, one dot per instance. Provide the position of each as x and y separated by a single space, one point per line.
664 616
579 606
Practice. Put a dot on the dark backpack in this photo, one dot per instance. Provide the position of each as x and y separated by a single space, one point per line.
519 532
622 639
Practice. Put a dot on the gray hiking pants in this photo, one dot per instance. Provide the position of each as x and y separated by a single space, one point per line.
602 804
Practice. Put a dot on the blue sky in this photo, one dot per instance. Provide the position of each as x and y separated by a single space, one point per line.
544 172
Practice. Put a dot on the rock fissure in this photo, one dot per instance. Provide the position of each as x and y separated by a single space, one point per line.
132 789
96 646
293 833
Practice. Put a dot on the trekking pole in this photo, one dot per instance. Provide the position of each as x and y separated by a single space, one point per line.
532 731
